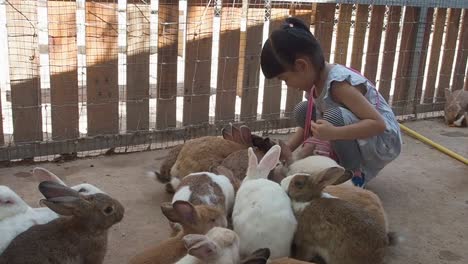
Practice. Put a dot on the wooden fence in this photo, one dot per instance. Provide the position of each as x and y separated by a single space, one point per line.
82 76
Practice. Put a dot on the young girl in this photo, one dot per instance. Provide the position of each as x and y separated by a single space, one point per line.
348 112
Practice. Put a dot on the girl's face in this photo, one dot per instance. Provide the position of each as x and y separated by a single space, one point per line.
302 77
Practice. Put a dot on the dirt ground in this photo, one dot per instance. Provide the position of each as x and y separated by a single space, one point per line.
425 194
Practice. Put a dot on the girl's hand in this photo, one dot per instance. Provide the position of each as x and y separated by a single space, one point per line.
323 130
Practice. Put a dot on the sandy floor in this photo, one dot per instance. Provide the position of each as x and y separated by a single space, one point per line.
424 192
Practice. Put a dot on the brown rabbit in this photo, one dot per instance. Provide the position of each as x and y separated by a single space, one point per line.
79 236
338 231
365 199
164 173
197 219
456 107
238 161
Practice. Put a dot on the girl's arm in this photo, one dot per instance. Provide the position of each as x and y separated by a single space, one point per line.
296 139
371 123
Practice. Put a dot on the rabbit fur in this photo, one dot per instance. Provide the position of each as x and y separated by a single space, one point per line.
338 231
17 216
456 107
164 173
197 219
80 237
265 207
219 245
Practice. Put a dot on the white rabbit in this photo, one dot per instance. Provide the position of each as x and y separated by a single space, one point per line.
262 215
16 216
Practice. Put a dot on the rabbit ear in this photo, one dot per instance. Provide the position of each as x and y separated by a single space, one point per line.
259 256
328 176
204 249
236 134
42 174
52 189
286 153
192 239
448 94
253 164
269 161
227 134
65 205
246 135
180 212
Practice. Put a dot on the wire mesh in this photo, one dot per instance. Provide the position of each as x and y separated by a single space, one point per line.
84 78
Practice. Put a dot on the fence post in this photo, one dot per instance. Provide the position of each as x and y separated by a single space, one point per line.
416 61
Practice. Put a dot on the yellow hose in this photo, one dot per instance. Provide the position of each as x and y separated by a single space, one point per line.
433 144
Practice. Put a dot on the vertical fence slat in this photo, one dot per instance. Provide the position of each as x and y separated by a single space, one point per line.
272 95
435 54
462 55
250 80
102 68
63 69
424 51
407 49
2 138
138 55
168 37
324 21
449 52
391 38
228 62
24 72
294 96
342 35
360 26
373 42
198 62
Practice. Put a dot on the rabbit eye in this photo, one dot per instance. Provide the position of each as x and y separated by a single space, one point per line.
108 210
8 202
82 190
213 220
299 184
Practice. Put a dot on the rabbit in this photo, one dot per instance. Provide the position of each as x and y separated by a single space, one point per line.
336 230
265 207
197 219
456 108
238 161
21 216
79 236
366 199
219 245
200 154
164 173
262 255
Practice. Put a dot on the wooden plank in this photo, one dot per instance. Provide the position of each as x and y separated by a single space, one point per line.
63 69
138 54
228 62
424 51
198 62
360 27
272 94
373 42
168 28
407 49
324 21
24 73
251 70
2 138
391 37
462 55
342 35
435 54
449 52
102 68
294 96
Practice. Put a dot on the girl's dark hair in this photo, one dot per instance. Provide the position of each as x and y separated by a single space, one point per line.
286 44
